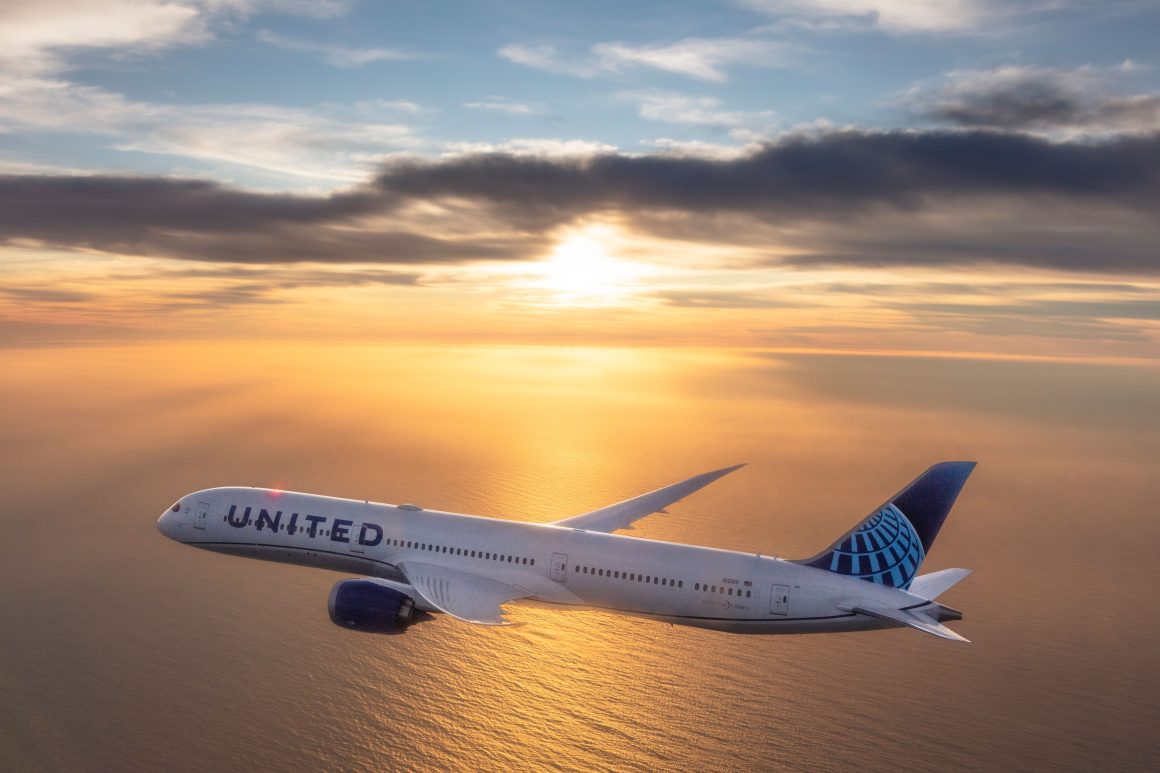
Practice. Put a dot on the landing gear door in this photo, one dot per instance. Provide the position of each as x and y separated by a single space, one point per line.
559 566
201 515
779 602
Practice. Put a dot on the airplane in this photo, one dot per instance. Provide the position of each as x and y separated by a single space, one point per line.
417 561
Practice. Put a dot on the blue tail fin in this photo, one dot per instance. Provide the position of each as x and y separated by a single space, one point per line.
888 546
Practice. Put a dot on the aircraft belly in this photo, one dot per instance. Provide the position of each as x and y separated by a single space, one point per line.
769 627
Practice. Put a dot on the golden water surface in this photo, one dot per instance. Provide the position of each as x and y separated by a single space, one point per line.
121 650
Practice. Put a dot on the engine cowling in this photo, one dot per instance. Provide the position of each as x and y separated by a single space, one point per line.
370 606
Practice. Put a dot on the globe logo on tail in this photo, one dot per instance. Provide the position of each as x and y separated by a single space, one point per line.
884 549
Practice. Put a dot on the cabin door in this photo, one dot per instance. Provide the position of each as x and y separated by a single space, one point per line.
201 516
779 603
357 532
559 566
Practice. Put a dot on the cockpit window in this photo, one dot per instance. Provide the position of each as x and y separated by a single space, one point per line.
176 507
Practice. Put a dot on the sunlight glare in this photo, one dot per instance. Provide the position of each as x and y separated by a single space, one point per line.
580 270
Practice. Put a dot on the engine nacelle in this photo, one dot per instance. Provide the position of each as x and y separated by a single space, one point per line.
371 606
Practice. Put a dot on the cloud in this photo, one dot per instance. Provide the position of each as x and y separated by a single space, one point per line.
34 35
205 221
704 59
46 294
845 197
1037 99
667 146
501 105
288 278
335 55
835 172
899 16
546 58
529 147
724 299
700 58
266 285
37 36
296 142
671 107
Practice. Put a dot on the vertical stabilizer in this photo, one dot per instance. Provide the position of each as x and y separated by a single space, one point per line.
889 545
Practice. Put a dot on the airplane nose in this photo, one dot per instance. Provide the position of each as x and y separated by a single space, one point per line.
166 525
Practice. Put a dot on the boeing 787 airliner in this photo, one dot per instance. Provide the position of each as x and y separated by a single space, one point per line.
469 566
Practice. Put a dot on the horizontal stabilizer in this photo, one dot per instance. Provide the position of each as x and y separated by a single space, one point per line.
912 620
622 514
931 586
465 596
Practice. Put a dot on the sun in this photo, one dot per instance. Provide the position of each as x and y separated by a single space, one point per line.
581 270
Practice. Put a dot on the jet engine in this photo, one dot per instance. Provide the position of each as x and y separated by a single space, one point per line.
371 606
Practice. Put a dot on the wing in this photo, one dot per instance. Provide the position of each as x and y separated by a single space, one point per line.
465 596
622 514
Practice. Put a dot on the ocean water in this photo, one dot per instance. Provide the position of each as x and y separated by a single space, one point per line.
121 650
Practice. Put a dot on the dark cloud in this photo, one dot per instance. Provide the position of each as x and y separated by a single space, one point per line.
206 221
1014 98
841 197
39 205
1031 234
833 174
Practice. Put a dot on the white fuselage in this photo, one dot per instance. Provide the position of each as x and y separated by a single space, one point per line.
558 566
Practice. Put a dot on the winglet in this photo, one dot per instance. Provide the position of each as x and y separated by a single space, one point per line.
620 515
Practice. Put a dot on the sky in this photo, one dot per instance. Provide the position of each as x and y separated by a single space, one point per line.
955 177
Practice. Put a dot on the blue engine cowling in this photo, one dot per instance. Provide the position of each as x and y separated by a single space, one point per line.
365 605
